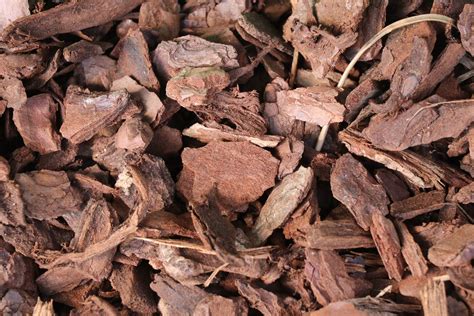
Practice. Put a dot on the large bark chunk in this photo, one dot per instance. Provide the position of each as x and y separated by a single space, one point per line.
170 57
86 113
238 172
36 122
358 191
454 250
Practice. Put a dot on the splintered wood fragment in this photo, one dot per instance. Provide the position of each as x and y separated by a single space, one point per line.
419 170
433 298
329 279
337 234
419 204
43 308
388 245
354 187
411 251
281 203
209 134
86 113
454 250
367 306
66 18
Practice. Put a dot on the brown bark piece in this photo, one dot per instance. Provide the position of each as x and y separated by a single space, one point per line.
420 124
58 160
394 186
87 113
209 134
11 204
329 279
289 151
411 251
132 283
12 91
433 298
239 172
465 194
337 234
4 169
59 20
166 142
388 245
170 57
160 19
465 27
419 204
96 72
421 171
134 60
454 250
366 306
21 66
358 191
94 305
177 299
451 8
341 15
17 302
316 105
79 51
432 233
36 123
265 301
134 135
359 97
196 86
47 194
281 203
96 226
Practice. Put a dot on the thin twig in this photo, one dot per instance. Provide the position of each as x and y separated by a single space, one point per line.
435 105
386 30
214 274
178 244
386 290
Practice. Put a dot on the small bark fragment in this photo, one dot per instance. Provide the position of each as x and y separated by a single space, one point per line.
419 204
134 135
388 245
239 172
160 19
12 91
465 27
290 152
455 250
358 191
86 113
94 305
11 204
79 51
394 186
4 169
166 142
366 306
465 194
170 57
412 252
47 194
329 279
96 72
433 298
281 203
132 283
36 123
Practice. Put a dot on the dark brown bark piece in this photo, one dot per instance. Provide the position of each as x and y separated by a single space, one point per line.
16 271
289 151
134 60
134 135
170 57
17 302
86 113
36 123
177 299
455 250
465 194
353 186
47 194
79 51
421 171
239 172
329 279
337 234
359 97
11 204
195 86
265 301
281 203
420 124
60 159
465 27
166 142
388 245
394 186
316 105
160 19
58 20
419 204
96 72
97 223
367 306
132 283
411 251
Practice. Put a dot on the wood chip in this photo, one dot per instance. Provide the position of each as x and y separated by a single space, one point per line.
417 205
433 298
